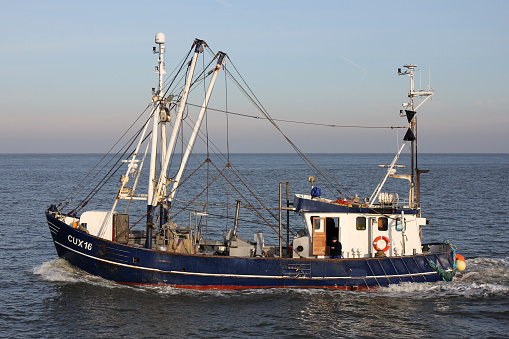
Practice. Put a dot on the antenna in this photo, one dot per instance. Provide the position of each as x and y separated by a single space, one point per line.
420 79
412 94
429 78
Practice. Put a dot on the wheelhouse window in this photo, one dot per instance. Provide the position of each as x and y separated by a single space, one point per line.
399 225
360 223
383 224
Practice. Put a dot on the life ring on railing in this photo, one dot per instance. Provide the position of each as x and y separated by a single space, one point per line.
387 243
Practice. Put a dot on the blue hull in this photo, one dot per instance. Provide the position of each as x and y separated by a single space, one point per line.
134 265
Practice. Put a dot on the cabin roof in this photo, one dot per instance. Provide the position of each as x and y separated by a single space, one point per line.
304 203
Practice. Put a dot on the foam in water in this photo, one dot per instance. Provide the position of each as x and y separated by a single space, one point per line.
56 270
59 270
483 277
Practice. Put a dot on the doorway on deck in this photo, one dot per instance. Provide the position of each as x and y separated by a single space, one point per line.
324 229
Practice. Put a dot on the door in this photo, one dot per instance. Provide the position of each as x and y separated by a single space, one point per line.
319 236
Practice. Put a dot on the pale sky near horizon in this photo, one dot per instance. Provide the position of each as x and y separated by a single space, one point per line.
75 73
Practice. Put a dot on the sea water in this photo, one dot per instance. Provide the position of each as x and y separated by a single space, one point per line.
464 196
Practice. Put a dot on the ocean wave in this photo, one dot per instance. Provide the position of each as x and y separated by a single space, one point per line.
59 270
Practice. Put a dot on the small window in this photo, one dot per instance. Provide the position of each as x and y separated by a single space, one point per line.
383 224
399 225
319 224
360 224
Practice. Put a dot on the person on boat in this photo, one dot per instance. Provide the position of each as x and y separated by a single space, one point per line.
335 249
331 230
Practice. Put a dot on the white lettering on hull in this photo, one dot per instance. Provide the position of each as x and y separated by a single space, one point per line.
80 243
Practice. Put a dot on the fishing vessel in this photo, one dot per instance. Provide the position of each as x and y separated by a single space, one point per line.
339 241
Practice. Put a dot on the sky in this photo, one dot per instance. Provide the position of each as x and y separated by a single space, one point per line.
74 74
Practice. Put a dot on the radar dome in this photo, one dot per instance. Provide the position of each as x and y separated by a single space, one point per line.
160 38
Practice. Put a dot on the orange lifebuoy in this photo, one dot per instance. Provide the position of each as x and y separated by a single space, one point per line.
387 243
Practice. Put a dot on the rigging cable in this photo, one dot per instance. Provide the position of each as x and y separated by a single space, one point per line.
180 69
256 210
206 139
108 176
300 122
311 164
64 202
227 163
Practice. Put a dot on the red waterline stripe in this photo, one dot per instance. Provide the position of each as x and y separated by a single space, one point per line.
226 287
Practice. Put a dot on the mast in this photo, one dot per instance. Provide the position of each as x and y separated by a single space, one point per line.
411 134
163 118
160 69
160 40
196 129
178 120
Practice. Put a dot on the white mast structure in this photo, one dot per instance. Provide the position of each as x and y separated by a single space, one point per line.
160 69
160 40
156 187
178 120
411 135
220 61
126 193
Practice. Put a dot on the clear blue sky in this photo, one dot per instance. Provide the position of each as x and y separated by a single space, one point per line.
74 73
